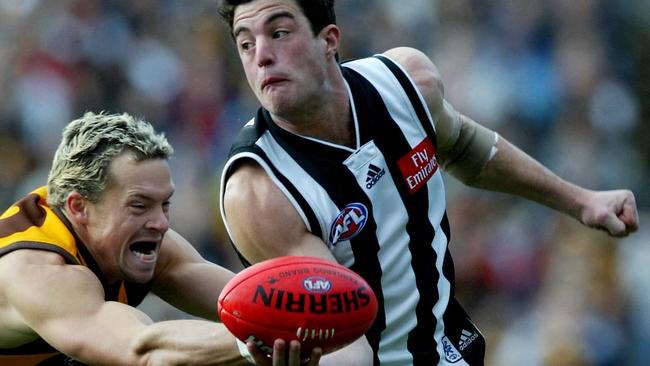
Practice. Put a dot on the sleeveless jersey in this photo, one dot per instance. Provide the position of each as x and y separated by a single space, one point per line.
31 224
380 207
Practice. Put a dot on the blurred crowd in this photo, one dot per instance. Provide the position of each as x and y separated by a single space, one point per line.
567 81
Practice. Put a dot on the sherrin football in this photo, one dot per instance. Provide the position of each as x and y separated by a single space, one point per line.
317 302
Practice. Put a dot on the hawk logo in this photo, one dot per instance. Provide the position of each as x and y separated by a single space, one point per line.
374 174
348 223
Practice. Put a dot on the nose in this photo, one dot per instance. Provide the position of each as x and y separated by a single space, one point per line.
159 221
263 53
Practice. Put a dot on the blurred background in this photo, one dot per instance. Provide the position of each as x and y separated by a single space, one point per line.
567 81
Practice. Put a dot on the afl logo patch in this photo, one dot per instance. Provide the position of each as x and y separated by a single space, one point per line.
316 284
348 223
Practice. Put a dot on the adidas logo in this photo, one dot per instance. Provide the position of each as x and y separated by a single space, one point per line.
374 174
466 338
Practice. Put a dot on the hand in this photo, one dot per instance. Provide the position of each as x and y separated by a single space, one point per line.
612 211
281 357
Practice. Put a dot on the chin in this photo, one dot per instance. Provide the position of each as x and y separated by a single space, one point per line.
137 277
278 106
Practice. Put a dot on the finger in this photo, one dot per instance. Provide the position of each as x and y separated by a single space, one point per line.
614 226
630 216
260 357
316 354
279 353
294 353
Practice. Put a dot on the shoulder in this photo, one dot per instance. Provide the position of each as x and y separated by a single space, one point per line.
422 71
249 134
29 277
249 183
30 266
413 60
261 219
18 260
248 192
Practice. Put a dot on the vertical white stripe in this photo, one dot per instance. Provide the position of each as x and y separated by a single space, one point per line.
394 255
402 111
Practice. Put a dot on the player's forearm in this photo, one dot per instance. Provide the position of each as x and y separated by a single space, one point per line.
515 172
357 353
188 342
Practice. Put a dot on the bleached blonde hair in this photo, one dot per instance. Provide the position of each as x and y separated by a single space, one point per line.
88 146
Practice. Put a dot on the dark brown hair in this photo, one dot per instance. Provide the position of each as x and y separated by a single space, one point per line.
320 13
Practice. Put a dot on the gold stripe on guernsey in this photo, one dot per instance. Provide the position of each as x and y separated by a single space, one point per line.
25 217
10 212
121 295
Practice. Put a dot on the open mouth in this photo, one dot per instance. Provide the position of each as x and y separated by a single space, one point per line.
145 250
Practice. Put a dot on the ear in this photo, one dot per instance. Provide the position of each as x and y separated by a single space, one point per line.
76 207
332 36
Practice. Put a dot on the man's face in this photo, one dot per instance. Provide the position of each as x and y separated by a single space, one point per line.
285 64
125 228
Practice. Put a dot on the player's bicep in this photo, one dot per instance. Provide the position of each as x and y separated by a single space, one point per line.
43 289
466 146
262 221
64 304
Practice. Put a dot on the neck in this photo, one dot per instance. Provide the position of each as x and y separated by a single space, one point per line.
85 253
327 118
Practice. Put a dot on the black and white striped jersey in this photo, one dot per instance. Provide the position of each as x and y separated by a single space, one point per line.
380 207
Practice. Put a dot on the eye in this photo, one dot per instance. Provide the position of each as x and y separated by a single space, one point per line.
166 205
137 206
245 45
280 33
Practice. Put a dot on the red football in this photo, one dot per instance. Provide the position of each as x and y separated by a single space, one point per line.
317 302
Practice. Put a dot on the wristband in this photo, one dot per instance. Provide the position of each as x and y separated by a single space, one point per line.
243 351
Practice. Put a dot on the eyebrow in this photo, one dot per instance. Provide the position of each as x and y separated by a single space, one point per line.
147 197
272 18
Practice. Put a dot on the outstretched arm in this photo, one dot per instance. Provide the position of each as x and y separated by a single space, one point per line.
478 157
64 305
612 211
